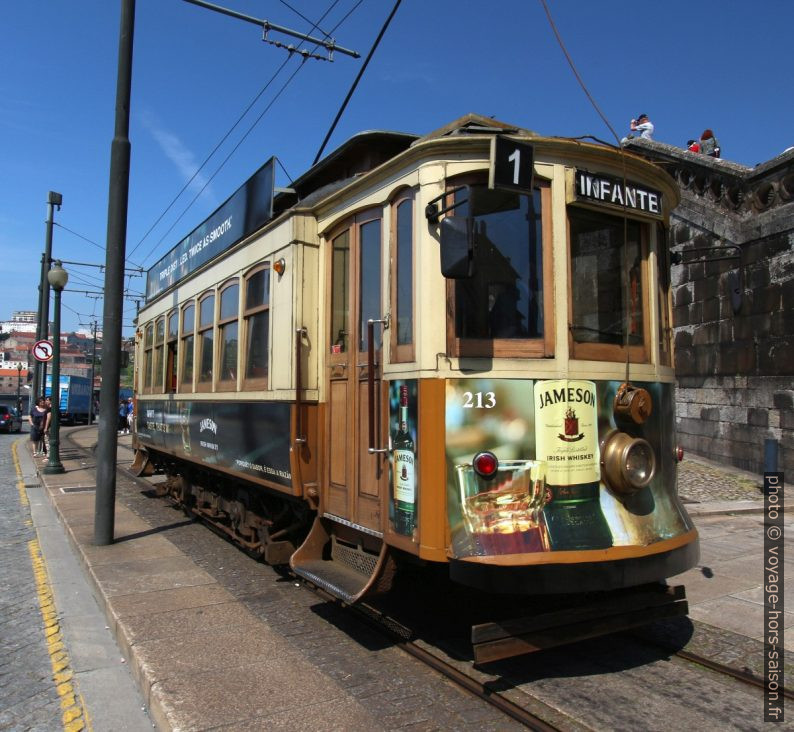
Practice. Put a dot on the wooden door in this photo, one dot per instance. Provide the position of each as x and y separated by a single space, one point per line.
356 477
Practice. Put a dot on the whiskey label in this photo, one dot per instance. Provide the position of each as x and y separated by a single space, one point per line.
404 483
566 431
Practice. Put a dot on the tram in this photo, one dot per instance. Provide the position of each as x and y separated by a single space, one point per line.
451 349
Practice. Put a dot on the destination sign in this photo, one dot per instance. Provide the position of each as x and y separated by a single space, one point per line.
604 189
249 207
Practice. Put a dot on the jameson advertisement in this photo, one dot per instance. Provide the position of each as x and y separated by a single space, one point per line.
249 207
547 494
249 437
402 429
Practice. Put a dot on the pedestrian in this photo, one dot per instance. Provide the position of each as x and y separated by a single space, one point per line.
693 146
122 412
38 421
709 145
643 126
130 414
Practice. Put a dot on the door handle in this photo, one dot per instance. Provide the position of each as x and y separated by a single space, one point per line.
372 450
300 438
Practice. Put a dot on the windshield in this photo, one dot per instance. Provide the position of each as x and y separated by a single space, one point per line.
503 299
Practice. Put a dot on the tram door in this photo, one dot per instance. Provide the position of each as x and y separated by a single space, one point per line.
356 478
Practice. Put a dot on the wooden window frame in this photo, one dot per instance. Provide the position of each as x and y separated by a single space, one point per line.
352 224
171 352
205 386
148 358
182 385
158 386
542 347
226 384
612 351
664 290
254 383
405 352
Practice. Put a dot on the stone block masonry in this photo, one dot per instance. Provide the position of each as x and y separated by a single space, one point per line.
733 305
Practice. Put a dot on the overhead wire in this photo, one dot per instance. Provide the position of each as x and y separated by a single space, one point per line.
245 135
627 293
356 80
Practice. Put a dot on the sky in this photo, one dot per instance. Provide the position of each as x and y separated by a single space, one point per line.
718 64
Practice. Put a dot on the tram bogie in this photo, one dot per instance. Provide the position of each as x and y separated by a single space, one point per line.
453 348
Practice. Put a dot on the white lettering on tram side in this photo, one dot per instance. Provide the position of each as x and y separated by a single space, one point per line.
197 247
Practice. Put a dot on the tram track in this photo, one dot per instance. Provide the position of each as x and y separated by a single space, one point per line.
524 708
746 677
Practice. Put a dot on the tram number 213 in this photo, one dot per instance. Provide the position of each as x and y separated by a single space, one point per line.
479 400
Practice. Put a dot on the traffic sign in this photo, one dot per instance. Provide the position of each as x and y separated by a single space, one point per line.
42 351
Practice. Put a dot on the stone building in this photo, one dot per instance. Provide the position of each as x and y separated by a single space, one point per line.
733 304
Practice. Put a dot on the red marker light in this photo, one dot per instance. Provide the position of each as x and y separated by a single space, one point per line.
679 453
485 464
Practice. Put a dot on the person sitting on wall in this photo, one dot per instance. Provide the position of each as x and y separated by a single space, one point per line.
709 144
693 146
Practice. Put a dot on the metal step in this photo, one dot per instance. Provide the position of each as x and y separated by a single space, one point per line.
343 570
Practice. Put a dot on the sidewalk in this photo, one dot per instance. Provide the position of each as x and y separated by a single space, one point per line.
201 659
161 606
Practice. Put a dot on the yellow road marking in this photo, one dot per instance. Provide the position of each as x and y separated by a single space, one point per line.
74 715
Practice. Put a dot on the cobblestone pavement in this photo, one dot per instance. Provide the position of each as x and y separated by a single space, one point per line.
28 698
699 482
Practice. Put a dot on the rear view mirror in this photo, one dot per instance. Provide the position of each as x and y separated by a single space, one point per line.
457 247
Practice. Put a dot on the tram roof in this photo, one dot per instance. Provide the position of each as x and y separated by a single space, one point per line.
366 150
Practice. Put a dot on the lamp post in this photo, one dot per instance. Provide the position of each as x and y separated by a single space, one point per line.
19 389
57 277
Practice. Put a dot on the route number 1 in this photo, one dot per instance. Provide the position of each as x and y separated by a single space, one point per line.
511 164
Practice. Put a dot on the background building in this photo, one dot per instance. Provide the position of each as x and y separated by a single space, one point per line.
733 315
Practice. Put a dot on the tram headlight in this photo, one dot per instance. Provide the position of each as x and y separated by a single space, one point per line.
629 463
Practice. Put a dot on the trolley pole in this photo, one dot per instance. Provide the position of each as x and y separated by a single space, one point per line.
114 285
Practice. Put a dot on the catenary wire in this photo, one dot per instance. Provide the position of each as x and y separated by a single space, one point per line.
357 79
226 136
627 294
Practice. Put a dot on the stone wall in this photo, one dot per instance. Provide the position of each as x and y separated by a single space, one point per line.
733 305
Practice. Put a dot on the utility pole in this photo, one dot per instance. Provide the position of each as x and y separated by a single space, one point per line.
40 373
113 310
93 367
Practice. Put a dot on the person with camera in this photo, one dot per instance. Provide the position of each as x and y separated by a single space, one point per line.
643 126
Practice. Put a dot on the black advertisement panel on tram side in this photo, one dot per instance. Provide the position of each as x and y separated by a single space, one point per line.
249 207
248 437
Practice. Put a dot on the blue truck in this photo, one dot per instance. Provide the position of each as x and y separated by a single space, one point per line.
75 396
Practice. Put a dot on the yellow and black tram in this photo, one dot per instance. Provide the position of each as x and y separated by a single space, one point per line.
452 349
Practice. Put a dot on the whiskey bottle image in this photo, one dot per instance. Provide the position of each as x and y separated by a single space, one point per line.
574 518
184 426
566 437
404 473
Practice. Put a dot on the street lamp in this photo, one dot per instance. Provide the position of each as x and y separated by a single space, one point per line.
57 277
19 389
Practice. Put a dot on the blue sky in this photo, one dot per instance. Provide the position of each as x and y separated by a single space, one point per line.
722 65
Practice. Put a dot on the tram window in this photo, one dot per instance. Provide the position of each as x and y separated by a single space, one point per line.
340 292
256 318
205 342
148 344
369 277
188 335
402 290
663 266
159 346
171 352
499 310
228 329
606 277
